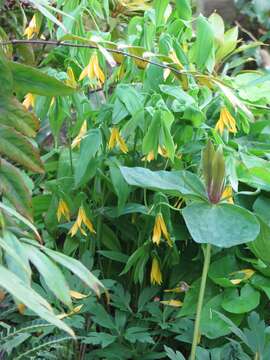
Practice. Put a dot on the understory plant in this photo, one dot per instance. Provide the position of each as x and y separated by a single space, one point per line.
152 175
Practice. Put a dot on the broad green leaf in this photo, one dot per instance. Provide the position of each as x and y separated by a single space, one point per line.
77 268
17 288
18 148
262 283
222 225
151 138
243 302
160 7
212 325
129 96
204 43
120 186
261 245
177 183
221 269
183 9
140 334
13 187
99 338
88 149
6 78
52 275
30 80
218 26
19 217
15 115
113 255
19 267
228 45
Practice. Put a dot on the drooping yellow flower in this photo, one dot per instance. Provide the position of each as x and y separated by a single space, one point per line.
155 276
82 219
226 120
32 28
115 139
93 70
245 275
151 155
71 81
63 210
80 136
172 302
160 229
228 195
29 101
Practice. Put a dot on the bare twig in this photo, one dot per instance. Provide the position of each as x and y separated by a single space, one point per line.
114 51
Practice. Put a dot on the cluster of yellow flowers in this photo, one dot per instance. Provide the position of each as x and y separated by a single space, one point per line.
33 28
93 70
116 139
226 121
82 219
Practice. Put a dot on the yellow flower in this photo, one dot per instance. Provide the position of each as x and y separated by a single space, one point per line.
115 139
155 276
93 70
63 210
245 275
71 81
151 156
29 101
32 28
172 302
81 219
80 136
226 120
160 229
228 195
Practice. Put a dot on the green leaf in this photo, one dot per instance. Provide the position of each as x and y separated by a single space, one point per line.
160 7
19 149
30 80
223 225
177 183
220 270
140 334
15 115
212 325
151 138
204 43
17 288
88 149
52 275
236 303
120 186
6 78
101 338
183 9
101 317
228 45
12 186
114 255
77 268
261 245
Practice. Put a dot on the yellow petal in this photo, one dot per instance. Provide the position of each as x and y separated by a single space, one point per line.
113 138
77 295
63 210
21 308
72 312
84 73
156 231
164 230
77 140
227 194
71 78
155 276
174 303
122 144
245 275
29 101
74 229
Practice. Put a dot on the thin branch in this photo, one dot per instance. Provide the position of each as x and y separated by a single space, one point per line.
114 51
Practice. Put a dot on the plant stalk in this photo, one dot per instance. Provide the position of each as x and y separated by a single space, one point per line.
196 333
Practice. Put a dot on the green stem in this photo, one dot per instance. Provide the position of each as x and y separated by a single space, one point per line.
196 332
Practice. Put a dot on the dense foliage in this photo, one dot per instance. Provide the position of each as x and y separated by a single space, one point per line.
134 180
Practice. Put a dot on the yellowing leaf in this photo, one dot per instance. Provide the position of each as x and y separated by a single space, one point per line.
76 295
174 303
